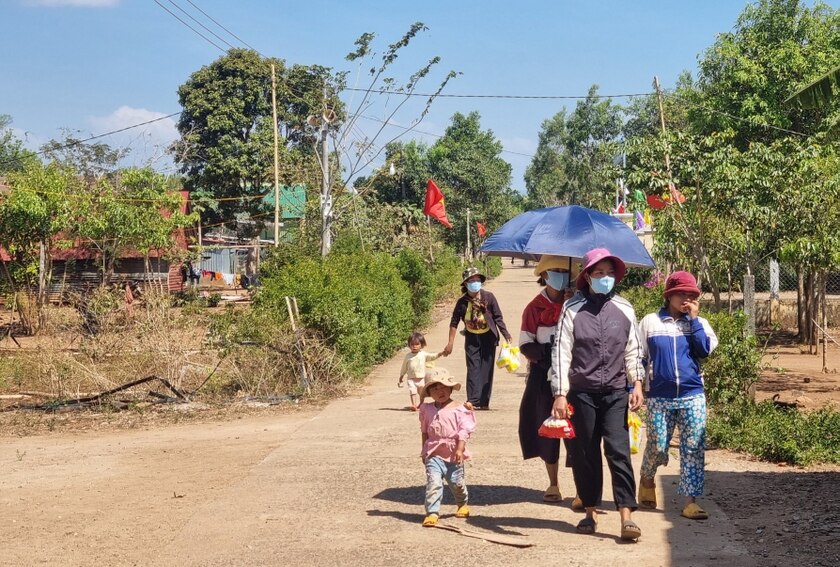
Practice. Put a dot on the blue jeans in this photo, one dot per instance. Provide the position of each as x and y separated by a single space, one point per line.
438 470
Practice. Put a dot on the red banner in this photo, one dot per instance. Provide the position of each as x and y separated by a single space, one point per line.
434 204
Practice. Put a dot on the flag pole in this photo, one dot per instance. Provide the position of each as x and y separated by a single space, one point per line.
429 226
469 248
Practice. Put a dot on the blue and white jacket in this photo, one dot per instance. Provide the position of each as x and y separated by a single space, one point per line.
673 349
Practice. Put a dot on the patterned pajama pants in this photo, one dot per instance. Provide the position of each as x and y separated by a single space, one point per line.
690 415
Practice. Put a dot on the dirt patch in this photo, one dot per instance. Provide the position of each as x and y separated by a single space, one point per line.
794 375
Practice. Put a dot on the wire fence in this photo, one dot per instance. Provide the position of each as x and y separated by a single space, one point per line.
783 279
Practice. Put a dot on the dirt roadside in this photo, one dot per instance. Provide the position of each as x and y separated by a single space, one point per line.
343 486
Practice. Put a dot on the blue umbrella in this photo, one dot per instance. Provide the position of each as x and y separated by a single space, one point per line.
566 231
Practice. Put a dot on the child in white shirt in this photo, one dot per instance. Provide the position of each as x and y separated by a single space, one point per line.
414 365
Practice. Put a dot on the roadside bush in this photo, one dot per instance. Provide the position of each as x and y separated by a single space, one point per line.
492 266
262 357
358 302
645 300
777 434
421 283
447 271
735 366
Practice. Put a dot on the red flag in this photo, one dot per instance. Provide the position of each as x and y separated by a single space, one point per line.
434 204
482 230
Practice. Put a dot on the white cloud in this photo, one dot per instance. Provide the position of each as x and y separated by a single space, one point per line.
73 3
147 143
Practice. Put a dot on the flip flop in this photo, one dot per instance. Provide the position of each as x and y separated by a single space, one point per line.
647 497
630 531
552 494
430 521
587 525
693 511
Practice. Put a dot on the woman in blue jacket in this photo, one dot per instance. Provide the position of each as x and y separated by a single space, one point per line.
675 340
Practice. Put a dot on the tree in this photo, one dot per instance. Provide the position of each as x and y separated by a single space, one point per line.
349 158
575 159
775 47
466 163
226 144
92 161
133 212
33 214
13 156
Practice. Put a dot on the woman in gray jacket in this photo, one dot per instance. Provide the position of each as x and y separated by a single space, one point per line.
597 369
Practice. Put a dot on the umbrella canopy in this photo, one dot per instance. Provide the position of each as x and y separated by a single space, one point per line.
566 231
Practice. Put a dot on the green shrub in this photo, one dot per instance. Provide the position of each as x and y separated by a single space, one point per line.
645 300
492 266
777 434
735 365
447 270
357 301
421 283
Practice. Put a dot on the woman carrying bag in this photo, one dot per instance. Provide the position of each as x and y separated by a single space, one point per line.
483 323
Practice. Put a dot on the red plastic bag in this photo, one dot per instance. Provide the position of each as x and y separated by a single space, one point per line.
557 429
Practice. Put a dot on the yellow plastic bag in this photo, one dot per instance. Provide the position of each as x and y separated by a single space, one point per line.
508 358
634 424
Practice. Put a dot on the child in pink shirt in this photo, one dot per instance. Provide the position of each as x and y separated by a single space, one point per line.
445 426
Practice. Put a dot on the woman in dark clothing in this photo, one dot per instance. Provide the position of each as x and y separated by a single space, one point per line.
596 356
539 324
483 323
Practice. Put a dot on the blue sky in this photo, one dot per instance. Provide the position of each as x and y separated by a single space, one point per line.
93 66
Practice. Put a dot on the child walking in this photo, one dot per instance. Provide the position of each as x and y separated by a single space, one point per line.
414 365
675 340
445 426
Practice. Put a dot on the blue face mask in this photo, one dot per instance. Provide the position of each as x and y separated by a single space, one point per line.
602 285
473 287
557 280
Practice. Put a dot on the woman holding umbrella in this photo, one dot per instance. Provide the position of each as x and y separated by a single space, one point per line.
596 356
483 323
539 325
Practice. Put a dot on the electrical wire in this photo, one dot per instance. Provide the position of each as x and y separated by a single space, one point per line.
524 97
733 117
97 136
204 37
209 17
190 16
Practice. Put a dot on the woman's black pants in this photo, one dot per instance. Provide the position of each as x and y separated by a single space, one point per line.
597 417
481 361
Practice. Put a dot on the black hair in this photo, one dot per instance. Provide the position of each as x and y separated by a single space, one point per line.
417 338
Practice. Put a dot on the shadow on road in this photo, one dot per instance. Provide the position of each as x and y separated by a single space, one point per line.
480 495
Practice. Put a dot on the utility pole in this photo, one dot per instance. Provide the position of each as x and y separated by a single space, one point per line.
326 195
469 247
276 159
658 89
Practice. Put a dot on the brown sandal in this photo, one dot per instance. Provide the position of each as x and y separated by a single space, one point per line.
630 531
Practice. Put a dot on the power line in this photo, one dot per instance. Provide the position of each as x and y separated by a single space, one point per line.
412 129
223 40
242 41
733 117
78 142
204 37
525 97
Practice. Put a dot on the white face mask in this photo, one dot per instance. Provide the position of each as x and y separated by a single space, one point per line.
602 285
557 280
